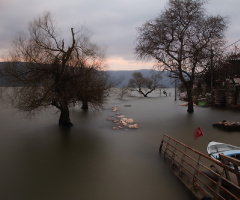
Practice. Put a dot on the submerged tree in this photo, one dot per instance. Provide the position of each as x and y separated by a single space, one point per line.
123 91
51 72
94 88
181 40
144 85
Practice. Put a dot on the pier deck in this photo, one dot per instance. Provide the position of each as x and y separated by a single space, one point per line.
196 171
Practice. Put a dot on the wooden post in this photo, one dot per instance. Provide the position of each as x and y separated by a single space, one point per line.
196 173
219 183
173 155
164 155
212 77
160 148
182 162
161 145
235 163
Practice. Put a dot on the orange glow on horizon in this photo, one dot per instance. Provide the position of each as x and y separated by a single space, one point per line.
118 63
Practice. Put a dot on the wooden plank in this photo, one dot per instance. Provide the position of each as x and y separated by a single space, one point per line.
234 162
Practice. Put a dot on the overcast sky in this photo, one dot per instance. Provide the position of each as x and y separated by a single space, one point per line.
112 22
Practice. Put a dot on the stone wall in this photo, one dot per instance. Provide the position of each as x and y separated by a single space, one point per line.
228 97
219 98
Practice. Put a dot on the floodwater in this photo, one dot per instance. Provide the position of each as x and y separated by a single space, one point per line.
91 161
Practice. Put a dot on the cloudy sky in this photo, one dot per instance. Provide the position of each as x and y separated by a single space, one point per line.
112 22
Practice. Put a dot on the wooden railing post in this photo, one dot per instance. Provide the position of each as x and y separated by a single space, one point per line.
182 161
235 163
164 155
161 145
160 148
222 158
219 183
196 173
173 154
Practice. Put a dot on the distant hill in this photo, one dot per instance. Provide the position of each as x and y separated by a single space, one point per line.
127 75
3 82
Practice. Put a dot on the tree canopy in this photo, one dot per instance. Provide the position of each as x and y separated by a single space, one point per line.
181 39
144 85
53 72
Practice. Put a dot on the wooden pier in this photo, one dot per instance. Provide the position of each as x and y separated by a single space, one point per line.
197 173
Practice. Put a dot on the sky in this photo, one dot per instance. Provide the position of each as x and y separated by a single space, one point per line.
112 23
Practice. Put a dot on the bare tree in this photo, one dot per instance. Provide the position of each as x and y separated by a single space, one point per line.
144 85
94 88
181 40
123 91
51 72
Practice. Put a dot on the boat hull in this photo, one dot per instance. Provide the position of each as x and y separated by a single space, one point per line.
216 148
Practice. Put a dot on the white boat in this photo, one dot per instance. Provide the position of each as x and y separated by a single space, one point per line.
216 148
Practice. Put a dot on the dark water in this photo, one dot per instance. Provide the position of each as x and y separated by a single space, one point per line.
91 161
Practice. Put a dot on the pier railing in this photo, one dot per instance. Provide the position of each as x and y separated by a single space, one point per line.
196 171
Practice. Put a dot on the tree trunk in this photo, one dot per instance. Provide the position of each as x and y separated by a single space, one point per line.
84 105
189 87
64 119
141 92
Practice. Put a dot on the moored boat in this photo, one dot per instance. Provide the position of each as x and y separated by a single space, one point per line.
215 149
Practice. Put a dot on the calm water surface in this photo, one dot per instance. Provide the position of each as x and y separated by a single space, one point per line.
91 161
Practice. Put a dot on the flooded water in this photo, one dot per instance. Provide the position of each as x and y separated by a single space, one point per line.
91 161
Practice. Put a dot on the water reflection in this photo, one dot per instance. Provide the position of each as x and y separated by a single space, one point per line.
40 160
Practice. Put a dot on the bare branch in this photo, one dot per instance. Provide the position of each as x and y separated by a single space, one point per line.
180 40
49 72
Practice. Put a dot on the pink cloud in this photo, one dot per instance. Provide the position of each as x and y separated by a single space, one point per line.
118 63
